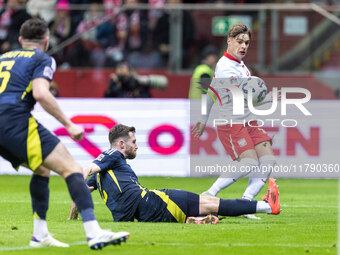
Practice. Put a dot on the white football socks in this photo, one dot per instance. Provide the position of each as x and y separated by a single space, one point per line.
92 228
40 230
219 184
224 182
255 185
263 207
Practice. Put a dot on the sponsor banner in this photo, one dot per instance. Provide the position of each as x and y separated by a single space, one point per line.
309 149
161 131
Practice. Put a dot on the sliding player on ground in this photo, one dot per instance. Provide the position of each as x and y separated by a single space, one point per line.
128 200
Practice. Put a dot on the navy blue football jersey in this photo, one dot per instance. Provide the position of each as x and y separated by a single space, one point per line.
117 184
17 70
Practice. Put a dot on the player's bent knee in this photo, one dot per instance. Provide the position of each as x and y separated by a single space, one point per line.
208 205
264 148
251 153
42 171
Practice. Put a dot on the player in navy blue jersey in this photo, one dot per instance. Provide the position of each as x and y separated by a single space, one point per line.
25 76
127 199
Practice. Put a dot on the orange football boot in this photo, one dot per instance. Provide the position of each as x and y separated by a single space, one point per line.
273 196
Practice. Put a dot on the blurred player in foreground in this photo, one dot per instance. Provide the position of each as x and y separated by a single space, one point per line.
128 200
248 144
25 78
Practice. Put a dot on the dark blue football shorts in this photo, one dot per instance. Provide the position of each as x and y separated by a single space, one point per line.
23 140
167 205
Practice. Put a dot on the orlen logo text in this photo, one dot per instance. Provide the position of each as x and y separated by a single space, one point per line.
206 144
90 121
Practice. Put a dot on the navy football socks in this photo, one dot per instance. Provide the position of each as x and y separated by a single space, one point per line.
40 195
236 207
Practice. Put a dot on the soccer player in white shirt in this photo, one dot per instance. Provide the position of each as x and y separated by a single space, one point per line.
249 145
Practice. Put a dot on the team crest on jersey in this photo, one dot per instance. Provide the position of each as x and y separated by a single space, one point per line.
48 72
100 157
242 142
233 80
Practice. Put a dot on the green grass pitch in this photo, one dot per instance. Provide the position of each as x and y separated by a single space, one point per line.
307 224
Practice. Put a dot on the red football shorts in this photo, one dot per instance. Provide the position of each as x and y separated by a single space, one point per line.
240 138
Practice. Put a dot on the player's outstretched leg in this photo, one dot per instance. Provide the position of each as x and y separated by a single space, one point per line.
270 205
237 207
40 196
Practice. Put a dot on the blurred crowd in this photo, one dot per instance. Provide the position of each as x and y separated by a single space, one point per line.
107 34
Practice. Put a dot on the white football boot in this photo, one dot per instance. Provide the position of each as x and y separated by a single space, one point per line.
48 241
107 238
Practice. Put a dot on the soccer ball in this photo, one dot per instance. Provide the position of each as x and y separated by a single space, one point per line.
256 86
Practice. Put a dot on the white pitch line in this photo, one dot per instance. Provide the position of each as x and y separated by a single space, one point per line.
28 247
191 245
242 244
67 202
29 201
311 206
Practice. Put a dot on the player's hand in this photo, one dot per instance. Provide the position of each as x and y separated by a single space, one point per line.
198 129
278 95
75 131
73 212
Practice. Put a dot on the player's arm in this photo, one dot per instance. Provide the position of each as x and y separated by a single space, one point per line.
199 127
90 170
42 94
73 212
220 73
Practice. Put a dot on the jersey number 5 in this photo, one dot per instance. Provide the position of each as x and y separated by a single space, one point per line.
5 74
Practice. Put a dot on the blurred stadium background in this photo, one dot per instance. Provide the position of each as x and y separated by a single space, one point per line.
294 44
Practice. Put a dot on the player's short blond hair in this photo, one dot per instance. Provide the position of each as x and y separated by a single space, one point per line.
237 29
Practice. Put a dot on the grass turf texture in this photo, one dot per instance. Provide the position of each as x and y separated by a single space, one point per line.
307 224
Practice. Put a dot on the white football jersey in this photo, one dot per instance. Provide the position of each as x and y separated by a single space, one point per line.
228 67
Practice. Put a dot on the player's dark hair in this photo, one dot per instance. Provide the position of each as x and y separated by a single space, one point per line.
237 29
34 29
120 131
